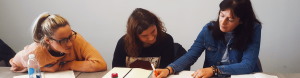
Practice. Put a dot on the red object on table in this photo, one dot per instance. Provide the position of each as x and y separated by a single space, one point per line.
114 75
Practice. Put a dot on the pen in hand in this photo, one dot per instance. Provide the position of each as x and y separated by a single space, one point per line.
154 70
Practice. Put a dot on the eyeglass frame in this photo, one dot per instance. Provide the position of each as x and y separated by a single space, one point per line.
59 41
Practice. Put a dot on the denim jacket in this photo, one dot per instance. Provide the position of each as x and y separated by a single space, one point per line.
240 62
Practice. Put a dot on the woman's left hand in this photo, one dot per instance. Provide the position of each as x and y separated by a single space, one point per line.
203 73
16 68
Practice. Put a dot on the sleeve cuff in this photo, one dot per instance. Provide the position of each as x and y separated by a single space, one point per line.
222 70
173 67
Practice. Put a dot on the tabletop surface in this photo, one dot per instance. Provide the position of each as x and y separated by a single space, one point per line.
6 73
102 73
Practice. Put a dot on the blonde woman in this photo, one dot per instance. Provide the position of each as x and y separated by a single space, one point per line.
57 47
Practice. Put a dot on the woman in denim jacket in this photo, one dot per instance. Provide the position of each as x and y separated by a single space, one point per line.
231 44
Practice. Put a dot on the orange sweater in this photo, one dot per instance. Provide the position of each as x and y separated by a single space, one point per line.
84 57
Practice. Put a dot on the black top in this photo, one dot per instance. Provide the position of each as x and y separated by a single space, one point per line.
56 54
163 48
6 53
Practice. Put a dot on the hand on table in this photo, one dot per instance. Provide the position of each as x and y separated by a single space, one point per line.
162 73
16 68
203 73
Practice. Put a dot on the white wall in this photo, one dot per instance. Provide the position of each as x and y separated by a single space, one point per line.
102 23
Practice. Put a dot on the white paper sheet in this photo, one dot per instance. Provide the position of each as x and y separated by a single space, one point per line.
26 76
121 72
243 76
182 74
59 74
179 76
21 76
262 75
138 73
256 75
186 73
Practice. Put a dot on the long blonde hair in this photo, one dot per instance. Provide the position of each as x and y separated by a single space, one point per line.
45 26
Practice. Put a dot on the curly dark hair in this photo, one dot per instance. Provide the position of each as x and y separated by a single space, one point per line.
139 21
242 33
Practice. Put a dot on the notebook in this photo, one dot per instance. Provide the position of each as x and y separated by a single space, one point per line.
183 74
129 73
121 72
256 75
138 73
187 74
59 74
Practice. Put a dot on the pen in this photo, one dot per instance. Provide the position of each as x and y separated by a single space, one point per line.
154 69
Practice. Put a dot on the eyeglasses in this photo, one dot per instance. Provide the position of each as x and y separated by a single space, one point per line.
66 40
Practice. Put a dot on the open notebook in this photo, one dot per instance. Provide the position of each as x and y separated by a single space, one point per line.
256 75
182 74
59 74
187 74
129 73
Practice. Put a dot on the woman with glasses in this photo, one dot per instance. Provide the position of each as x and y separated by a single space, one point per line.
145 42
57 47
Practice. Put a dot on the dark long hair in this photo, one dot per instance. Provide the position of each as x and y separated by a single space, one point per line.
139 21
243 32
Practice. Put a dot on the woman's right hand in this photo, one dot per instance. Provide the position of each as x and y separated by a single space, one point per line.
53 68
162 73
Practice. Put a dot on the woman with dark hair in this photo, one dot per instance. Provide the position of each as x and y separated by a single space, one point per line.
145 42
231 43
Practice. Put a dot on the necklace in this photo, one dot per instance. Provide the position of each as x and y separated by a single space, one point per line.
61 53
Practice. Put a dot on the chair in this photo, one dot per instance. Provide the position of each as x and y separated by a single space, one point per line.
180 51
2 63
259 65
